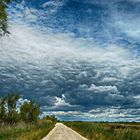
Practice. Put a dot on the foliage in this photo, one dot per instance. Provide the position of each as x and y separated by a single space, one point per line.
51 118
43 127
29 112
8 112
3 16
25 131
2 111
106 131
23 124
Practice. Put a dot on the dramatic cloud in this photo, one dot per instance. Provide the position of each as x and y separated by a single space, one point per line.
72 75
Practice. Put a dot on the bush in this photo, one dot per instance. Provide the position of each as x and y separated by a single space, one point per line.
29 112
51 118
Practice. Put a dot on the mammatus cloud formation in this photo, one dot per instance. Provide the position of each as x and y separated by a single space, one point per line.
70 76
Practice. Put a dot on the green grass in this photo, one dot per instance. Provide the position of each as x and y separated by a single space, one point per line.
107 131
90 130
22 131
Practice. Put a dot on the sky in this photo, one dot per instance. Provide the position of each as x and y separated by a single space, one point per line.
79 59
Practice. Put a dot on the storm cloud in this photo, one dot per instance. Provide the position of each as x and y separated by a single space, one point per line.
73 74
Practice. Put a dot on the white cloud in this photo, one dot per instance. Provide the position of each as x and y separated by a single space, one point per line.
59 60
103 89
54 3
99 114
61 70
20 102
61 101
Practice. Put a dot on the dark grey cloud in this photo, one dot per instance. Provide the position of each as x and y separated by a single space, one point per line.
71 76
84 83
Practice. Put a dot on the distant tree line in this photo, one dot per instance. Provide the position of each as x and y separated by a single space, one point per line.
51 118
9 113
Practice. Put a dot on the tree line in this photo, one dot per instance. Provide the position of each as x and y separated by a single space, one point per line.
9 112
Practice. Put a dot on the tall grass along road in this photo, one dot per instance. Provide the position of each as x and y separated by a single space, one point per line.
106 130
62 132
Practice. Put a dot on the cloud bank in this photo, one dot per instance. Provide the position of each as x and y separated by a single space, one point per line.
68 75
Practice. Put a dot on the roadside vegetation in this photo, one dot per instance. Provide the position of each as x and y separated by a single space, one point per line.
22 123
26 131
106 131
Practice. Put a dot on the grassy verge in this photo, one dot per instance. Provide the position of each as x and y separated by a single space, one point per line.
107 131
23 131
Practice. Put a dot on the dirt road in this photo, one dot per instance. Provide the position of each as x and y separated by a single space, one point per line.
62 132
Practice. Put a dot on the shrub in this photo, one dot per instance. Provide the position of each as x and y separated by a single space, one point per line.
29 112
52 118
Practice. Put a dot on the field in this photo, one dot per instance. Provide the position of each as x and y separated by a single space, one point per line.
90 130
106 131
23 131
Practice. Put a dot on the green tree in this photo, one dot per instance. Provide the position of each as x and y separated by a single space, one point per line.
3 16
29 112
52 118
10 103
8 109
2 111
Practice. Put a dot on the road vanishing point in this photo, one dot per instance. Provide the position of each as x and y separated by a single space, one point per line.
62 132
